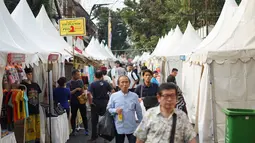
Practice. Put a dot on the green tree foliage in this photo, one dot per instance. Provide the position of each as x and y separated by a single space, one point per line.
119 30
35 5
148 20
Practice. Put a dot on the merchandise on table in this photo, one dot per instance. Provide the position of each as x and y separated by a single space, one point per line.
4 133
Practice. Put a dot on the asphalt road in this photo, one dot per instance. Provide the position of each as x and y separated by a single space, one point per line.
81 138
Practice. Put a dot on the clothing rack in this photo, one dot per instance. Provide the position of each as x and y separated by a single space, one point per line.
20 124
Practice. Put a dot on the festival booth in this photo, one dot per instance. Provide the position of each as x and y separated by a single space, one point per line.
48 45
157 62
11 73
192 72
162 52
188 43
17 43
227 65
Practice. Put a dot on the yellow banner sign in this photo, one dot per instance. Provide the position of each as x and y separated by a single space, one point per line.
72 27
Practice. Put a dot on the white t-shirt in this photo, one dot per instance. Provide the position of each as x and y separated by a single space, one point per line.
108 79
132 79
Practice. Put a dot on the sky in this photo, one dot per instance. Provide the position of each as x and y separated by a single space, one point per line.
114 4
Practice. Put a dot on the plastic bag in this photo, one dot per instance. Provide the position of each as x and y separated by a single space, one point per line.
106 127
143 110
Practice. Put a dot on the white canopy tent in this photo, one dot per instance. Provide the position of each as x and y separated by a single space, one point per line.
145 56
4 50
135 60
13 36
170 43
106 52
163 41
228 73
192 72
188 43
164 50
110 52
25 19
47 26
93 50
215 38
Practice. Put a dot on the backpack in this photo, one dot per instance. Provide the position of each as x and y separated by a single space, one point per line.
138 78
110 73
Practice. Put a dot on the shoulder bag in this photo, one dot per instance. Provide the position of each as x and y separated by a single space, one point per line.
173 128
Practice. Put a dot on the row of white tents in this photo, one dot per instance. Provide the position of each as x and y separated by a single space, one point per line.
216 73
36 37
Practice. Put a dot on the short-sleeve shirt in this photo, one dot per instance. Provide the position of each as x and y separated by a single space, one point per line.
171 78
33 91
154 80
155 128
73 84
100 91
62 95
108 79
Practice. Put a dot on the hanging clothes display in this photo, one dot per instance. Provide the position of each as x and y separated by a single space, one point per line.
13 106
32 128
12 74
91 72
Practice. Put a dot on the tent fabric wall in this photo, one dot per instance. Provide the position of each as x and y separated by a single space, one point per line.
38 77
232 87
174 62
204 115
190 86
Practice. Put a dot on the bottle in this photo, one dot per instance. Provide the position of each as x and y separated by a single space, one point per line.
120 117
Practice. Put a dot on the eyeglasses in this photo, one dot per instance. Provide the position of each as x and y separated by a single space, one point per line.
167 96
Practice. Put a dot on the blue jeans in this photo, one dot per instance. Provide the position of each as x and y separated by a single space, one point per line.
120 138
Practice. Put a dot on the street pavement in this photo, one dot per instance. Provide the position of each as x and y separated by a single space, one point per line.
81 138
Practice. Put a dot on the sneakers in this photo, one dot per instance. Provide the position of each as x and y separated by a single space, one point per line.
86 132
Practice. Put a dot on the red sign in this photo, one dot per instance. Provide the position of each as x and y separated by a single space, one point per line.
78 50
53 57
16 58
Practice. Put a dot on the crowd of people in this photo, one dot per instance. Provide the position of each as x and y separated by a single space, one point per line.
120 91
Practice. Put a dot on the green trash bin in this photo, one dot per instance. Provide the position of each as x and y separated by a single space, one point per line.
240 126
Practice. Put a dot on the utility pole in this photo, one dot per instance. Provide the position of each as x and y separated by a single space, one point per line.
109 30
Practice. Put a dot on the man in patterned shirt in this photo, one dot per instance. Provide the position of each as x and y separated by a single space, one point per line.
157 124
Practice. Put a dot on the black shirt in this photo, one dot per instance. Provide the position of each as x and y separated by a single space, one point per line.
144 68
171 78
100 91
151 90
33 91
73 84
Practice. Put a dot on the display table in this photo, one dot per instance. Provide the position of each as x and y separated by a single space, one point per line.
10 138
59 128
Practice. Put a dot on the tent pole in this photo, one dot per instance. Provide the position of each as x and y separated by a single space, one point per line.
213 103
73 39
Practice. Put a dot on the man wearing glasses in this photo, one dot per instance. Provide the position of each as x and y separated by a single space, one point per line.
165 123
